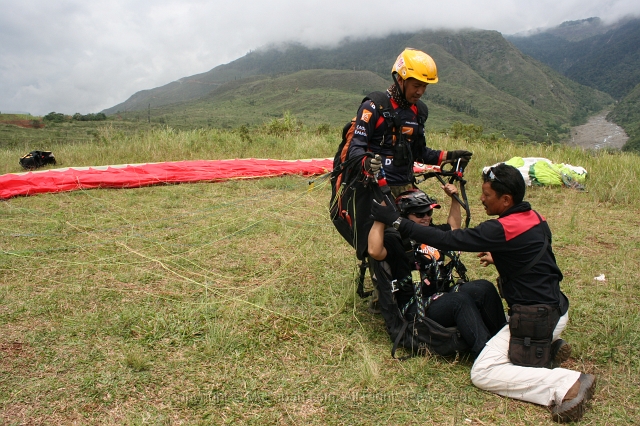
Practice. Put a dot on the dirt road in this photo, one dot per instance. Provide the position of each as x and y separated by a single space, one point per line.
598 133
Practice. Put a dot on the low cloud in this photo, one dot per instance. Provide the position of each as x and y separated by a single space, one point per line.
74 56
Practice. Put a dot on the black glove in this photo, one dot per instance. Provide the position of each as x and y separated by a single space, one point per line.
372 165
384 214
453 156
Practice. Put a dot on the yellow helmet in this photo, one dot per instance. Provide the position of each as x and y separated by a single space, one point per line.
416 64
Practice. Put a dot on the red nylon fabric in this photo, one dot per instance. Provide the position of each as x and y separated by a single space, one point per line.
138 175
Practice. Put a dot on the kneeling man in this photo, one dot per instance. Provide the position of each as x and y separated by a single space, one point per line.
518 242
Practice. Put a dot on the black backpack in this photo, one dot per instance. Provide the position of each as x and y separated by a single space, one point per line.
37 159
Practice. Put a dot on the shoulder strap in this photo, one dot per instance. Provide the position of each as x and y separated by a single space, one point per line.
383 104
385 109
381 100
397 341
423 112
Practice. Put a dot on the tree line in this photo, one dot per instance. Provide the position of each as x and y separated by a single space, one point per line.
58 117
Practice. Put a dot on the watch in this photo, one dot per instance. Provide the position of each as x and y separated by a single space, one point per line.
397 222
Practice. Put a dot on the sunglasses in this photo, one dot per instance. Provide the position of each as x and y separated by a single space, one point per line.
423 214
492 176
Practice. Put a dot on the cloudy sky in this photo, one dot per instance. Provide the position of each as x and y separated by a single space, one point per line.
84 56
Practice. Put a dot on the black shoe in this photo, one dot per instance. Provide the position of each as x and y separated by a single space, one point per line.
374 306
560 352
572 410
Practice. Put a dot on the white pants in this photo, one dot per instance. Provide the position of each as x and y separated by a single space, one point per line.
492 371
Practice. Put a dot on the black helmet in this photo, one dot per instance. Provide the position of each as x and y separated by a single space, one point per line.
415 201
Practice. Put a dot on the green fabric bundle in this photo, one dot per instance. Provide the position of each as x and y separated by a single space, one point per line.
540 171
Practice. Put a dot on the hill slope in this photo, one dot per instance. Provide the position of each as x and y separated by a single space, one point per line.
608 60
373 55
627 115
484 80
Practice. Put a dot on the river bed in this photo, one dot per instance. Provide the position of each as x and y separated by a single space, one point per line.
598 133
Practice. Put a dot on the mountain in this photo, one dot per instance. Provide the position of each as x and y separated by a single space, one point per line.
573 30
372 55
483 80
626 114
605 57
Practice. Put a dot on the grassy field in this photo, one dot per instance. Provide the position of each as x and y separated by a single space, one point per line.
234 302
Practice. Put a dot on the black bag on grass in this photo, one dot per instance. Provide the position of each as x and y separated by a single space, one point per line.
37 159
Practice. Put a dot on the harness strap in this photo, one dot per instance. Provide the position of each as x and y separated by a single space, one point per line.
398 338
363 269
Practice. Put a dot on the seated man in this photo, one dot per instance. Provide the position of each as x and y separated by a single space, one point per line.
519 242
475 308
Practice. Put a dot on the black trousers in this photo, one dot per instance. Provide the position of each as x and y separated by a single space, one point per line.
476 310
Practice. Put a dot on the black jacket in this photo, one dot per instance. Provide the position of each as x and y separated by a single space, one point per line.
514 239
369 136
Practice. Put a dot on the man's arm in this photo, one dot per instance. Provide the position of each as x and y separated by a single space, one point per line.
366 119
455 216
376 241
488 236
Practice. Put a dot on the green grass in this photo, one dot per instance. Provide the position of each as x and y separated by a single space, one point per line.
54 135
234 302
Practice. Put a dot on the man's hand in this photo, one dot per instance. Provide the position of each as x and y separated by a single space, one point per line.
485 258
373 165
384 214
450 189
453 156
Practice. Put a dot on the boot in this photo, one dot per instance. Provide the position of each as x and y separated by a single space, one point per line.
573 404
560 352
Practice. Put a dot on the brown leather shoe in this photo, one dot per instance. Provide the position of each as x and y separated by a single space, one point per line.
573 405
560 352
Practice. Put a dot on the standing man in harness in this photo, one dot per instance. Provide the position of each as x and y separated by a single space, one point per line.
380 145
391 125
518 243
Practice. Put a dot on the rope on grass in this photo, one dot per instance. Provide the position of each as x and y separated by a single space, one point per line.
114 231
180 264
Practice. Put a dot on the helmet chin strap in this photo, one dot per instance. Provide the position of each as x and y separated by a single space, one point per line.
395 80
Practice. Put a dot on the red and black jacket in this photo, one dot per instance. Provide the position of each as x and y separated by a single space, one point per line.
371 134
513 239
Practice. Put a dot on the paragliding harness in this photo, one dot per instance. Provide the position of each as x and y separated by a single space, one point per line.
37 159
352 189
440 269
443 270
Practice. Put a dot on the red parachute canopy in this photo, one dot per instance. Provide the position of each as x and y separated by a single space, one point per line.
137 175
